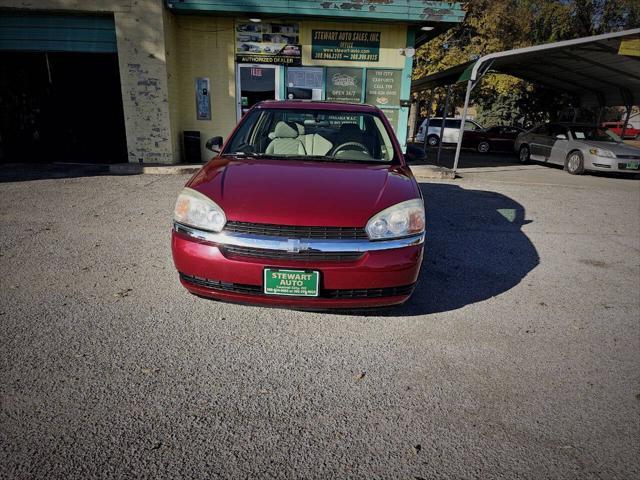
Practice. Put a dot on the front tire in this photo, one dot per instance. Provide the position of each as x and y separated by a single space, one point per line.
525 154
483 147
433 140
574 163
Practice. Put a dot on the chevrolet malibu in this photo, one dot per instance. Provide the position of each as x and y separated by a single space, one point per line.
307 205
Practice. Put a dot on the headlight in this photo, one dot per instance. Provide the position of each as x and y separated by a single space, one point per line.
400 220
600 152
198 211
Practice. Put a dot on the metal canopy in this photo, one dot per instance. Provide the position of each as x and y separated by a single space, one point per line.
591 68
602 70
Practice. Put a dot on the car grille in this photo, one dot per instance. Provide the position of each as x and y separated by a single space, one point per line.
294 231
235 251
369 292
329 294
629 157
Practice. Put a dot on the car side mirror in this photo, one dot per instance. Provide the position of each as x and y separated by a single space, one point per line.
561 136
214 144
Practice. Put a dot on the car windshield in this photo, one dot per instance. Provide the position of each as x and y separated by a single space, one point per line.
312 134
593 133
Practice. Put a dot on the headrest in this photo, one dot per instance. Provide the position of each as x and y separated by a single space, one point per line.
300 128
349 128
283 130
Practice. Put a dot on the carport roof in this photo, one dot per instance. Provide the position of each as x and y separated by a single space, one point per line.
601 70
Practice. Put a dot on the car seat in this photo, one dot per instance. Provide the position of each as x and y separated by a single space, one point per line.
285 141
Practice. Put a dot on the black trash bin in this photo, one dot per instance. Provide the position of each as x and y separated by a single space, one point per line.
191 146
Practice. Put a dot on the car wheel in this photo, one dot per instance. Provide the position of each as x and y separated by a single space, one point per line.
525 154
574 164
483 147
433 140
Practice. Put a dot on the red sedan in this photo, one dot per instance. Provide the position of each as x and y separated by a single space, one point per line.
309 204
498 138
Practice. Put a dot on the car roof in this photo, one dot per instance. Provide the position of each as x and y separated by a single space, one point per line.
315 105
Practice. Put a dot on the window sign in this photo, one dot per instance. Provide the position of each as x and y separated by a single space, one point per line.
392 116
344 84
305 83
383 87
265 42
345 45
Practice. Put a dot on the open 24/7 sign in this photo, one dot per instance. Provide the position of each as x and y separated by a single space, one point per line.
346 45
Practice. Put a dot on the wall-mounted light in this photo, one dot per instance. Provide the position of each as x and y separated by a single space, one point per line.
255 20
407 52
427 28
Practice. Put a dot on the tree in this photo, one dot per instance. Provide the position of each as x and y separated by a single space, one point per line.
497 25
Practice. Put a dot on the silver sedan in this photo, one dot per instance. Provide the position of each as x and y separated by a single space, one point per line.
578 148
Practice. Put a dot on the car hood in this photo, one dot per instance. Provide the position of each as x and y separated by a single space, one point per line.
298 192
616 148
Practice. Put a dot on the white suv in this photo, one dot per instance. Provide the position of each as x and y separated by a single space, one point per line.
451 130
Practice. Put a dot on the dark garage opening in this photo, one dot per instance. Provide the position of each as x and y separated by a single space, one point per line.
61 107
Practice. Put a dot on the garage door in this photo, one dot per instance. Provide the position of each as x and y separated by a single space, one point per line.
57 33
60 95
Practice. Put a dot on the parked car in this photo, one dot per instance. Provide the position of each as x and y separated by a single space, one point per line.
499 138
308 204
616 127
578 148
431 128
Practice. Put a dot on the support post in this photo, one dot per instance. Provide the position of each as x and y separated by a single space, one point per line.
413 118
470 85
444 120
626 122
426 133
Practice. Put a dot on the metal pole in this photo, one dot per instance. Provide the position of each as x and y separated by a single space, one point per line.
626 121
429 104
464 117
575 114
599 116
444 119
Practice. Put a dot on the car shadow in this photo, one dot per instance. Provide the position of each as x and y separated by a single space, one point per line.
475 250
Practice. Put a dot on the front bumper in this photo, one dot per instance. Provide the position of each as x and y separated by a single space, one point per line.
608 164
372 274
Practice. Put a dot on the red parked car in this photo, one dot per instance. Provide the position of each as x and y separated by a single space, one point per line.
616 127
499 138
309 204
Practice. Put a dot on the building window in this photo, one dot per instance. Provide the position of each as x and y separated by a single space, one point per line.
305 83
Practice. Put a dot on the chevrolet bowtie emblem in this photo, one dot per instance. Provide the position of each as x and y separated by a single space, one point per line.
294 245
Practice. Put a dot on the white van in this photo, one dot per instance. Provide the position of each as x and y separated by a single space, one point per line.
451 130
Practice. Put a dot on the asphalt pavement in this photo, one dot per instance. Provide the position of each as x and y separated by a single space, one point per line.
517 357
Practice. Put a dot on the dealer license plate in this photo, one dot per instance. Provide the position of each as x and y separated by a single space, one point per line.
298 283
632 165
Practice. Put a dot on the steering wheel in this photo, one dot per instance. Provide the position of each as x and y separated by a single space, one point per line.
343 146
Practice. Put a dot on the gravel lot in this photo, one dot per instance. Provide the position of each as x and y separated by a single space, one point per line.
518 357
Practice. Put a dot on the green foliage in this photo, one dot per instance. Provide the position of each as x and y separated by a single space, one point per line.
497 25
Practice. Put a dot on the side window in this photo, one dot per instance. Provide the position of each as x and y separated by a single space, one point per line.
436 122
452 124
474 126
555 130
542 130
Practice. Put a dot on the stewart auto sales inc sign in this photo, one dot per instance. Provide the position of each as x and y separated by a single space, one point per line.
353 46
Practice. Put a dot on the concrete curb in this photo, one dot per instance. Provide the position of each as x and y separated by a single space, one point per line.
419 171
154 169
430 172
